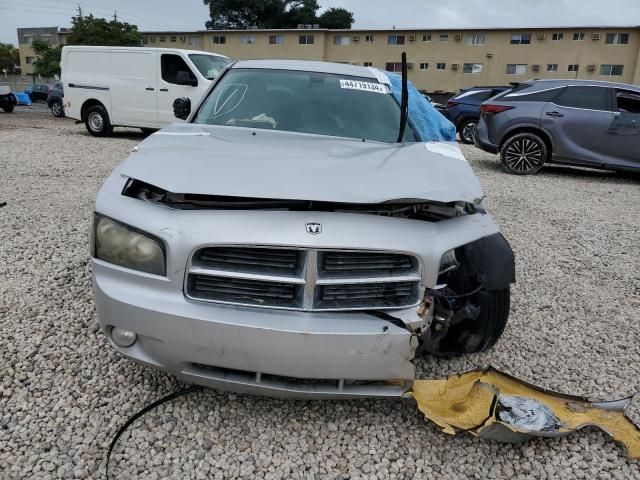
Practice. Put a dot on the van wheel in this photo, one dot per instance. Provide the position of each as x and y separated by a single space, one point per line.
97 121
466 131
8 108
523 154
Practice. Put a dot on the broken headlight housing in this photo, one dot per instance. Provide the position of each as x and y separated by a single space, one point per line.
127 247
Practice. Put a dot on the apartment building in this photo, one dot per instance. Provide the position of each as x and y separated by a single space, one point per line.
26 36
440 60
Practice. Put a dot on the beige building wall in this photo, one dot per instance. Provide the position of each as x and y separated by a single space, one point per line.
26 36
492 49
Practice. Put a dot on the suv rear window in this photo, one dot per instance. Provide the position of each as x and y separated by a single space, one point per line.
591 98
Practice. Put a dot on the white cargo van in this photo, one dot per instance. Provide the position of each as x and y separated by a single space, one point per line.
107 87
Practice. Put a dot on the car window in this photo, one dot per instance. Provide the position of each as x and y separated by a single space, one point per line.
484 95
209 65
305 102
171 65
591 98
628 101
547 95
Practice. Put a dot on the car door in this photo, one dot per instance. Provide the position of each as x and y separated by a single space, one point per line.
578 121
624 131
133 88
172 84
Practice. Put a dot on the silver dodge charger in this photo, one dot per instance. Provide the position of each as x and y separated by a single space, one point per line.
299 236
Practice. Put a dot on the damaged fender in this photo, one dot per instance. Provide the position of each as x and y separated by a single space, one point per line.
494 405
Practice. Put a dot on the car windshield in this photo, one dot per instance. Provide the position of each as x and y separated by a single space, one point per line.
209 65
305 102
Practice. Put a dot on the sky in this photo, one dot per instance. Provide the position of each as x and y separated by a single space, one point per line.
423 14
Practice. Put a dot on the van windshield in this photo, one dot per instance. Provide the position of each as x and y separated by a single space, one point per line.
209 65
305 102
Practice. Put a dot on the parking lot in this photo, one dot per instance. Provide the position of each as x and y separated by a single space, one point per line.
64 391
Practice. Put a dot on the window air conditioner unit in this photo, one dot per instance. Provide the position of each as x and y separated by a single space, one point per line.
489 55
182 39
535 68
356 38
412 38
542 36
591 68
454 66
458 37
595 37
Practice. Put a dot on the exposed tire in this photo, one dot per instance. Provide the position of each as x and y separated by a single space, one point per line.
524 154
8 108
467 130
149 131
97 121
479 332
57 109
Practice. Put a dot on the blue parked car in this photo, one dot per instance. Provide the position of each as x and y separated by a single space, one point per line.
463 110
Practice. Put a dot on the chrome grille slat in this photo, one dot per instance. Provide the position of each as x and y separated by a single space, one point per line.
303 279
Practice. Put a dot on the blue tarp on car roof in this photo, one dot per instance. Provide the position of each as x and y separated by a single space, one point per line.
431 125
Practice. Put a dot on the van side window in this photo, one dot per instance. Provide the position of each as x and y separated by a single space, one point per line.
590 98
171 65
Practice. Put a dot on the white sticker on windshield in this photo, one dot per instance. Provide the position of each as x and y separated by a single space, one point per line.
364 86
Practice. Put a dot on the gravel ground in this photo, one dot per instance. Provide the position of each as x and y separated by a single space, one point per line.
64 392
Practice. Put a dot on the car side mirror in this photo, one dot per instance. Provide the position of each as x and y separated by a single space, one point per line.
183 78
182 108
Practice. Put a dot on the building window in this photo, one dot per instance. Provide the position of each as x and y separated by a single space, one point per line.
573 68
219 39
617 38
558 36
306 40
368 39
578 36
426 37
247 40
368 64
444 37
30 60
276 39
28 39
424 66
161 39
396 40
393 67
521 39
341 40
552 67
194 40
173 39
45 39
472 68
152 39
441 66
611 70
145 40
516 68
477 39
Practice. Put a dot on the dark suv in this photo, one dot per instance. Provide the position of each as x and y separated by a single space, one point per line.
464 109
575 122
55 99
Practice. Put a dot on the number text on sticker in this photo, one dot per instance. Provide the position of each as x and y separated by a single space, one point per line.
365 86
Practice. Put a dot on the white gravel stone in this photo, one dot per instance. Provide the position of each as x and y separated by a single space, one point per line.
64 391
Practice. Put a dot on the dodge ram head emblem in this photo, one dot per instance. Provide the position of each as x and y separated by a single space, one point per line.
314 228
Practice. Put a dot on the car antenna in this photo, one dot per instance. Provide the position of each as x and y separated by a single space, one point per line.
404 103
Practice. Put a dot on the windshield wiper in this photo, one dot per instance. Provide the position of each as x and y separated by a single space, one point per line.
404 104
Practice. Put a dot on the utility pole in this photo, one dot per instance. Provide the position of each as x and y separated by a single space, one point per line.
115 15
80 11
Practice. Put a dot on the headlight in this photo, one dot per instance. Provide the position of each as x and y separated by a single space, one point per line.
448 262
122 245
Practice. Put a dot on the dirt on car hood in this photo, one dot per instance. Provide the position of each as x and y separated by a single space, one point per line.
236 161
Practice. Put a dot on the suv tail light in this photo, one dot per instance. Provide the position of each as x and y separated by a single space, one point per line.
493 109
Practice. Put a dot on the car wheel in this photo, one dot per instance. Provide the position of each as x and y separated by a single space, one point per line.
478 325
97 121
523 154
148 131
8 108
466 131
57 109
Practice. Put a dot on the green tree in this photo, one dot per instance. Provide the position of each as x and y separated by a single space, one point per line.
9 57
90 30
48 58
233 14
338 18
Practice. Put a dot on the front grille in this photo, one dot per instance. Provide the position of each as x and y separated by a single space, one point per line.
304 279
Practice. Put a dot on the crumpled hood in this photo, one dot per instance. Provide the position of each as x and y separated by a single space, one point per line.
244 162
